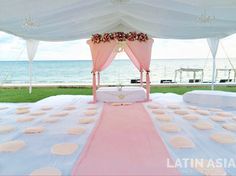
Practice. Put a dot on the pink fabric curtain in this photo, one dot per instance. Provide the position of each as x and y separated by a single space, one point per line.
102 55
140 52
133 58
135 62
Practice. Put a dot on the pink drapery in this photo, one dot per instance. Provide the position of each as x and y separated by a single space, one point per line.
133 58
104 53
135 62
142 54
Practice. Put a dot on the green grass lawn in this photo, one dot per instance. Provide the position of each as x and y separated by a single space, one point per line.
182 90
22 95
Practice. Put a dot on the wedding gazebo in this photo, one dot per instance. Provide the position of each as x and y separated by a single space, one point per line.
105 47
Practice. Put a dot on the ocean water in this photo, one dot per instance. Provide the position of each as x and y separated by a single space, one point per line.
119 72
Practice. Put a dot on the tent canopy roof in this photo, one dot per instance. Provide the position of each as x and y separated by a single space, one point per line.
61 20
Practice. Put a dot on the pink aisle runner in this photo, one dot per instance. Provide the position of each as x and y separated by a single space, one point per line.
124 142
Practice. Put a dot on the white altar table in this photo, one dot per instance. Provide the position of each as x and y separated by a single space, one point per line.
124 94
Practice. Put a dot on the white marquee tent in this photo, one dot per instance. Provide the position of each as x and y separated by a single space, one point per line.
62 20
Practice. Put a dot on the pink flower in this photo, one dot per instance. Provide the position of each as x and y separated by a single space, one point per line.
119 36
131 36
106 37
96 38
142 37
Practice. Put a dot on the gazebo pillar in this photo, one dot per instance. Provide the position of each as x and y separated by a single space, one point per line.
141 78
98 79
94 87
148 85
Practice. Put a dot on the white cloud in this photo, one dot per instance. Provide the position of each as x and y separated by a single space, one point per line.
75 50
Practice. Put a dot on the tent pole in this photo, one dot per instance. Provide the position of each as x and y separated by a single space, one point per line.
202 76
180 77
213 74
234 75
31 46
194 76
213 45
229 74
175 76
30 76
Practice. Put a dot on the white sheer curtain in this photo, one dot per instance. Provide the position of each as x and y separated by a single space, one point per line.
32 46
213 45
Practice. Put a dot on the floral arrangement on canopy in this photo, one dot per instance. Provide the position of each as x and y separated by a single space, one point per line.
119 36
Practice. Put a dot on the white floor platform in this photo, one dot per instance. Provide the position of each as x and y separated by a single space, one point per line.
124 94
217 99
37 151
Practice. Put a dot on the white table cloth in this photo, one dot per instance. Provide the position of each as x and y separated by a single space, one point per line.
124 94
218 99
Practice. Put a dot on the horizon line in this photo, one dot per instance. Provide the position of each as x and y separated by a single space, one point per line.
22 60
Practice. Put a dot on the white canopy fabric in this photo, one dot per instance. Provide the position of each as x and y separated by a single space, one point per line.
213 44
32 46
61 20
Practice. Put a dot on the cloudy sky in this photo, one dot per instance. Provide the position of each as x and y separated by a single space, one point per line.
13 48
